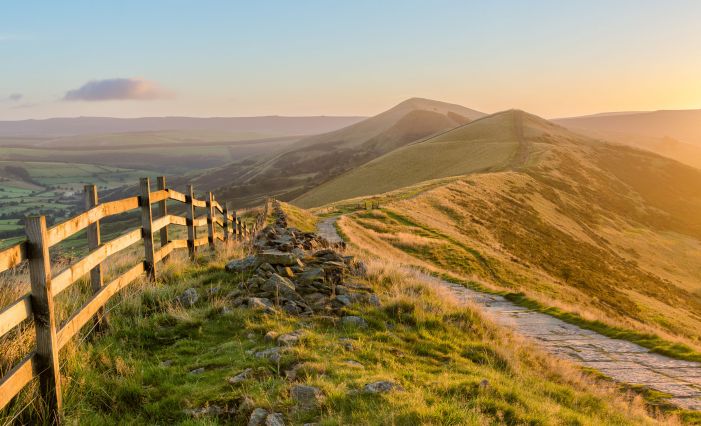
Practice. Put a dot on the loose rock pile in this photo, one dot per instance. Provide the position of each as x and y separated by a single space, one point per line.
298 272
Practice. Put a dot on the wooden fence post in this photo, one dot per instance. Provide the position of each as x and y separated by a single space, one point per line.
235 224
146 228
94 242
191 231
163 212
225 208
44 320
210 219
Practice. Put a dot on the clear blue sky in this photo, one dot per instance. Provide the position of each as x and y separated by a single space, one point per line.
226 58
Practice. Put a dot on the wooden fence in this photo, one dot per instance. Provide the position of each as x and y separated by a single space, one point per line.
38 304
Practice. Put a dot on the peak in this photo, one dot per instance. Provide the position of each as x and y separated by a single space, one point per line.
417 103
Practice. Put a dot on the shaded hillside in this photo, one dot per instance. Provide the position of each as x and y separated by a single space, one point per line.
317 159
496 142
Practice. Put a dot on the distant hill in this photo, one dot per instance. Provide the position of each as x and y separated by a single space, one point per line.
272 125
524 205
675 134
496 142
316 159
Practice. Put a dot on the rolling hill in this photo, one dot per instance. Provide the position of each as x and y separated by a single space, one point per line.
61 127
674 134
522 205
316 159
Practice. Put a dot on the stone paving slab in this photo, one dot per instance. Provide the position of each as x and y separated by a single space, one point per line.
620 360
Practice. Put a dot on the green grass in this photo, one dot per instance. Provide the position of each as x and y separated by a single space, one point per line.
139 371
458 257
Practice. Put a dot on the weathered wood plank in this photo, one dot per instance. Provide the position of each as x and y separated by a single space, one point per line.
201 241
91 201
160 223
168 248
158 196
97 302
69 275
219 222
16 379
14 314
64 230
177 196
200 221
217 206
44 319
177 220
191 228
225 225
199 203
13 256
147 228
163 209
210 219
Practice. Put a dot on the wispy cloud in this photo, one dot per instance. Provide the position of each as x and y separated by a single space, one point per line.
15 97
117 89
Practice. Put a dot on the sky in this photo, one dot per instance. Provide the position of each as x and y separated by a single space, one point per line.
246 58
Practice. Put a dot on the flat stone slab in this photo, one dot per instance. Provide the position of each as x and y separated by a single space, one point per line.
622 361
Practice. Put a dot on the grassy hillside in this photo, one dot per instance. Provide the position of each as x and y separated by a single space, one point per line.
453 366
488 144
316 159
565 244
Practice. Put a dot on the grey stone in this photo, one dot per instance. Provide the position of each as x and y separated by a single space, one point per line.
272 354
261 303
276 257
189 297
275 419
197 371
245 374
310 275
279 285
353 363
374 300
306 398
271 336
343 299
353 321
381 387
258 417
241 265
290 339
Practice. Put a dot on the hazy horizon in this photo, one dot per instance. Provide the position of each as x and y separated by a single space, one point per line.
210 59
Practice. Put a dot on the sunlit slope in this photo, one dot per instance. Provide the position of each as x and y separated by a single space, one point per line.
505 140
609 232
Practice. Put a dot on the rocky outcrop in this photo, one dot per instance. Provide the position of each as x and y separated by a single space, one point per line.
297 272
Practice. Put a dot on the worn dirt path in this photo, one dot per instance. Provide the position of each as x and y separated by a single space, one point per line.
622 361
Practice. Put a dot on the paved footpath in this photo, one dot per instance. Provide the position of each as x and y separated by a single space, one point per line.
622 361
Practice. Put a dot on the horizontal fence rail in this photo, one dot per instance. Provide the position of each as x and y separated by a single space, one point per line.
42 361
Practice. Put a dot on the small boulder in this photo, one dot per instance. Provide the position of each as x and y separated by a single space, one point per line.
258 417
197 371
276 257
353 321
343 299
189 297
271 354
261 304
306 398
381 387
279 285
245 374
290 339
275 419
241 265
